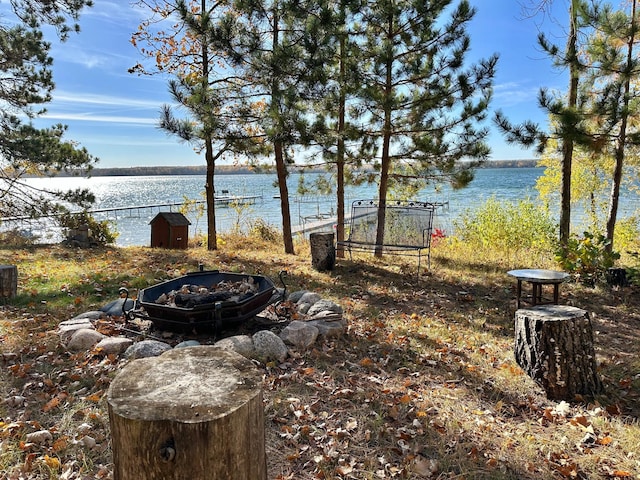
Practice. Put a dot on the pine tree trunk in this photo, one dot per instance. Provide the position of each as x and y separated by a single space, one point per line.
323 253
554 345
8 281
191 413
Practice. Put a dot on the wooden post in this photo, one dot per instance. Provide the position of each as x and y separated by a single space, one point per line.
554 345
8 281
323 253
191 413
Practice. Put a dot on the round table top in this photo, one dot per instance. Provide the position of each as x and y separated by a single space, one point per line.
538 275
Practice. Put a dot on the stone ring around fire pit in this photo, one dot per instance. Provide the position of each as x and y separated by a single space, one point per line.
302 319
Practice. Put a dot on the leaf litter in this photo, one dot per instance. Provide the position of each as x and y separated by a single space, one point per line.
423 386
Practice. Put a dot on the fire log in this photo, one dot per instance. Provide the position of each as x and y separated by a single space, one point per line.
554 345
190 413
8 281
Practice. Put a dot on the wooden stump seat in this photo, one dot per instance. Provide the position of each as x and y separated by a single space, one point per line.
191 413
554 345
8 281
323 252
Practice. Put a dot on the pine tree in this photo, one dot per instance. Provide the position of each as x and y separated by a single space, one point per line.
335 131
278 46
26 86
611 89
423 105
214 115
567 119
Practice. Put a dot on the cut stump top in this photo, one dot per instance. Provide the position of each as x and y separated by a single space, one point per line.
552 312
189 385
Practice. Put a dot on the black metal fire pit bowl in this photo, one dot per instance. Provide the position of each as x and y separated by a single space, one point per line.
209 316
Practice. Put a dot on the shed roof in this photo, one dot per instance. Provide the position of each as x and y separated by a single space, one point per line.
174 219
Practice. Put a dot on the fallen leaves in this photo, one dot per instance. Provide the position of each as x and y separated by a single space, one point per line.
424 386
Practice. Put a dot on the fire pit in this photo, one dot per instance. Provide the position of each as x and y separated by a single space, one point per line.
204 301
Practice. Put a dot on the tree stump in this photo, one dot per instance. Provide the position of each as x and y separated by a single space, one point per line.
8 281
323 253
554 345
191 413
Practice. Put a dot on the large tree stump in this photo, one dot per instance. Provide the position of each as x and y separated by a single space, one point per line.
191 413
554 345
323 252
8 281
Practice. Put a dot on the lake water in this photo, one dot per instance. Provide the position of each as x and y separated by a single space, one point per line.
133 225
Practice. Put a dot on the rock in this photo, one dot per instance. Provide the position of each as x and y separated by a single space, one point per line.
146 348
87 442
269 347
84 339
329 329
309 297
300 334
67 328
40 437
295 296
324 305
114 308
91 315
241 344
15 401
327 316
114 345
303 307
188 343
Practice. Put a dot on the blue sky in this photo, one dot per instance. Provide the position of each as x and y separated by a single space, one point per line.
114 114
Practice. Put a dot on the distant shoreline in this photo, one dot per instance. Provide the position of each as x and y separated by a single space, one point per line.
243 170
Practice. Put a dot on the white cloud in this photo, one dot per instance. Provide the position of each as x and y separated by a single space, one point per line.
70 98
513 93
114 12
100 118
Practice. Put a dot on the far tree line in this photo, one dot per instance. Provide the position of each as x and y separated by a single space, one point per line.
242 169
378 91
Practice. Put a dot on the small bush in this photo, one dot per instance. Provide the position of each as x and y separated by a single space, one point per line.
507 227
100 232
633 272
264 231
17 238
588 257
627 234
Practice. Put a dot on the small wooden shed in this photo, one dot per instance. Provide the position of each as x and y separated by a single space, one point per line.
170 230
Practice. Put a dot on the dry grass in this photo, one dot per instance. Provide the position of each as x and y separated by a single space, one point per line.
424 385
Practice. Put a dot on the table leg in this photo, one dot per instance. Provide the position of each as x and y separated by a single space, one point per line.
534 293
556 294
518 293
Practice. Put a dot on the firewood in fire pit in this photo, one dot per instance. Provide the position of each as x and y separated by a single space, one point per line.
190 300
192 295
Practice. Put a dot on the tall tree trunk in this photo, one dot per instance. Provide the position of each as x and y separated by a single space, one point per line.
341 148
281 166
614 198
212 240
386 145
281 170
212 236
567 145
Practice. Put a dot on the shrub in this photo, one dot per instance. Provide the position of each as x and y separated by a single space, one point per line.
507 227
100 232
264 231
627 234
588 257
633 272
